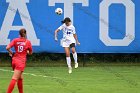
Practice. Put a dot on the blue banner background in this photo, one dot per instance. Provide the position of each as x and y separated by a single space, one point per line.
86 21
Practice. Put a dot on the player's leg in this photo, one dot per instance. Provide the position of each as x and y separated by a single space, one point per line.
15 77
20 84
67 51
74 55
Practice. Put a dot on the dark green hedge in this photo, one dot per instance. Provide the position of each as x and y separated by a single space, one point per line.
42 57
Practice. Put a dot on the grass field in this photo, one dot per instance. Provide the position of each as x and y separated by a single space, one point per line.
96 79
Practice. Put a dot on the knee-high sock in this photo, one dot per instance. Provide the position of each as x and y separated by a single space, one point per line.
75 57
20 85
68 61
11 86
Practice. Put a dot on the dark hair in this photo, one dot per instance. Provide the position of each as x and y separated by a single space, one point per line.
22 32
67 19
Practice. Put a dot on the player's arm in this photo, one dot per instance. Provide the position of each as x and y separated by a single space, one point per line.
75 36
55 34
30 50
56 31
8 48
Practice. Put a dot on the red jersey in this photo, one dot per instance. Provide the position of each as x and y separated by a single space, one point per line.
21 46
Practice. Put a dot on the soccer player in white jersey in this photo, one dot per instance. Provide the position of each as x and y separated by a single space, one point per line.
68 41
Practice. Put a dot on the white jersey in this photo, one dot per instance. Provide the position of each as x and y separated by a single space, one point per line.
68 32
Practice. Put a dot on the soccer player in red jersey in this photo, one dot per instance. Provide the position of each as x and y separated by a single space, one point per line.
22 48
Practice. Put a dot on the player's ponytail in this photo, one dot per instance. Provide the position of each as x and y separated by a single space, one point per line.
22 32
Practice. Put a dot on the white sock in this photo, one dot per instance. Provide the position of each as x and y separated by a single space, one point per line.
68 61
75 57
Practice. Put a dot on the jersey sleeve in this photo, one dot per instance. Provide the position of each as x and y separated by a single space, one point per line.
61 27
12 43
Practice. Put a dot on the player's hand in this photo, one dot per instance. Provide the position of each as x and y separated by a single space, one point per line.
10 54
56 39
28 52
78 43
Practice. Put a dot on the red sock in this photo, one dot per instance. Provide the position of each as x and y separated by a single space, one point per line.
11 86
20 85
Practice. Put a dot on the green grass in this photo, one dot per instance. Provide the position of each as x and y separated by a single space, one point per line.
96 79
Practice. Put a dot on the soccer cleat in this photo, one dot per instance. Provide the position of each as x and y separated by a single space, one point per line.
76 65
70 70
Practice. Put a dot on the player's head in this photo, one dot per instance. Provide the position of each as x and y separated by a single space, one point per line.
22 32
67 21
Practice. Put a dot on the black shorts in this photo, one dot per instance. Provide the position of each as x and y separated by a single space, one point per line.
72 45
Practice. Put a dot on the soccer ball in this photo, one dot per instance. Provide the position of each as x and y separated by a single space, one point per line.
58 11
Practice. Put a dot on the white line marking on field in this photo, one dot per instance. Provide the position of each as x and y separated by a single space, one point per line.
31 74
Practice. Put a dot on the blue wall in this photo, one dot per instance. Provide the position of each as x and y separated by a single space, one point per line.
87 18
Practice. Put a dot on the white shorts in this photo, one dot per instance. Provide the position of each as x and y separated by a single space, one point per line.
66 43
